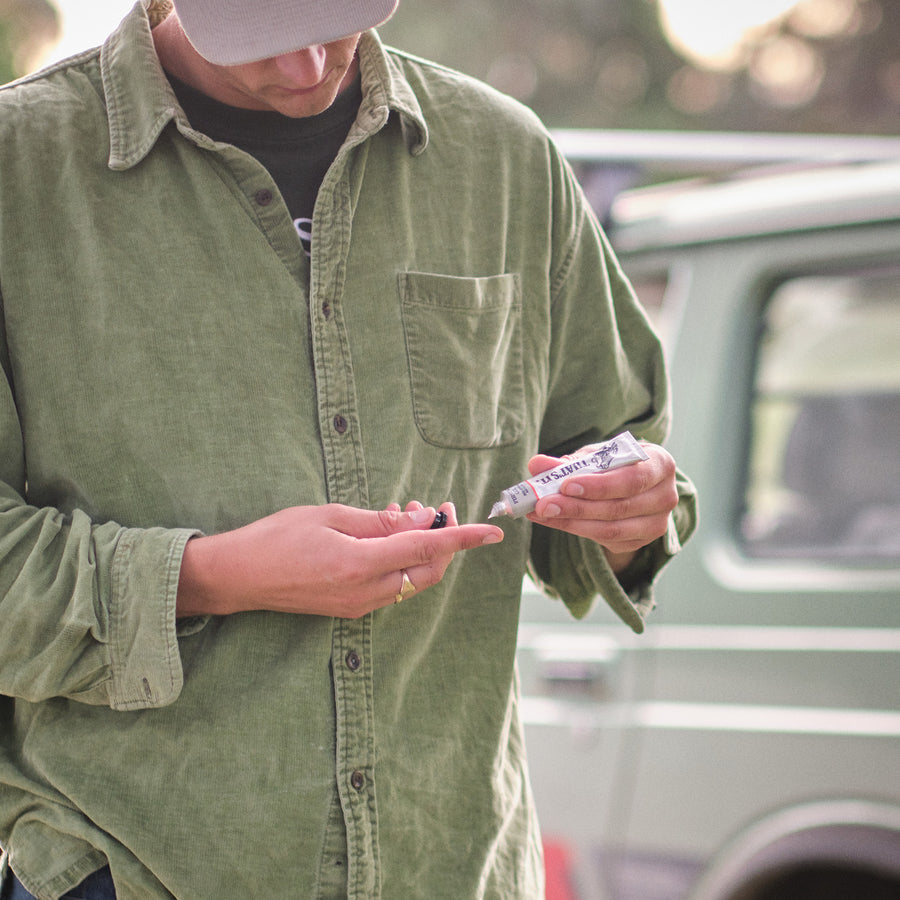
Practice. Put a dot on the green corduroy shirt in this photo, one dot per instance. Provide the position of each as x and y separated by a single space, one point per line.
174 366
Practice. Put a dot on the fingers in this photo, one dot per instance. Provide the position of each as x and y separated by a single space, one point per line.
362 523
623 509
427 548
541 463
391 542
618 536
626 485
446 514
365 523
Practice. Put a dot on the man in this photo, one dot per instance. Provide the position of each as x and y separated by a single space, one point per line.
263 281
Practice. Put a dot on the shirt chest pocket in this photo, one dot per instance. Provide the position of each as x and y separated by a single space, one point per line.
464 342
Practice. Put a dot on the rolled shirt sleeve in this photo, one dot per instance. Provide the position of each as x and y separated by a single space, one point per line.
577 571
88 610
608 375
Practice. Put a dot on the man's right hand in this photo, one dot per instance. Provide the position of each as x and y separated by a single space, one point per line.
328 560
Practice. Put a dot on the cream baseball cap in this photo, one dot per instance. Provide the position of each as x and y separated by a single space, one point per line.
232 32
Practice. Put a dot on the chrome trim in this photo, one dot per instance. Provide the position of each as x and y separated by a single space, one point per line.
720 717
592 642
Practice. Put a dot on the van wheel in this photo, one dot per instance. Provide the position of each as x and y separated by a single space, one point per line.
828 883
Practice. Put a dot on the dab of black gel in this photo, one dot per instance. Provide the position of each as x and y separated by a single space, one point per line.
440 520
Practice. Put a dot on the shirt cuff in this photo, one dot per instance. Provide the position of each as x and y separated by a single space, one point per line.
583 573
145 662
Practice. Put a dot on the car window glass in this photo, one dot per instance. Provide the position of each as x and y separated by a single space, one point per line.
824 468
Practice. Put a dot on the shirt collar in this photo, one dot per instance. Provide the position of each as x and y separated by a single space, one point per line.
386 89
140 101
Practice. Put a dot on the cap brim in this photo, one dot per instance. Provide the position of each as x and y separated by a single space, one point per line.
234 32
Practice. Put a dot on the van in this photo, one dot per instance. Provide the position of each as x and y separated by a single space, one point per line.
747 745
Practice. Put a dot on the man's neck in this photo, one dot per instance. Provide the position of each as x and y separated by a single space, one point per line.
177 54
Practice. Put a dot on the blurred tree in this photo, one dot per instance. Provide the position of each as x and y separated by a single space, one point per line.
828 66
576 62
825 65
27 29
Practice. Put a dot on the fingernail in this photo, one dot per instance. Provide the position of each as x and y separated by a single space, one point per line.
550 510
421 516
573 490
492 538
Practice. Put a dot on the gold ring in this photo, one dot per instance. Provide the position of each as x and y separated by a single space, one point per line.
407 588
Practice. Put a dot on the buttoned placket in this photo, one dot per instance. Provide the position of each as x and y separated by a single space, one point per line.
321 284
346 481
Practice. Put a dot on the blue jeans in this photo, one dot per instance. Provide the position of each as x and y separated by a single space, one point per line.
97 886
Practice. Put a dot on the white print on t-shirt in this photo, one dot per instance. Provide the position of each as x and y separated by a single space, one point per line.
304 229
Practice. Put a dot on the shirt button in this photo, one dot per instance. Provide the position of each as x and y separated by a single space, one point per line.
263 197
326 310
340 424
353 661
357 780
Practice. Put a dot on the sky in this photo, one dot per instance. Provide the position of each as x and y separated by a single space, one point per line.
711 31
81 28
706 29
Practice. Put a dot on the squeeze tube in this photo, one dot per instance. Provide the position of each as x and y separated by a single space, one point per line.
521 498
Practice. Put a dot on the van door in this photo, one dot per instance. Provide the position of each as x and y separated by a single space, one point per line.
765 688
776 650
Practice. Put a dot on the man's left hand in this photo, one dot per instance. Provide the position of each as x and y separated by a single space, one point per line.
621 509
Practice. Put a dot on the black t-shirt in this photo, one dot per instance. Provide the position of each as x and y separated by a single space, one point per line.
296 152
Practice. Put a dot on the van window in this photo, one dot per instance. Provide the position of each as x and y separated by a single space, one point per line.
824 455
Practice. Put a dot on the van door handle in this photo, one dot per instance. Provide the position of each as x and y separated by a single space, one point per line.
587 671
